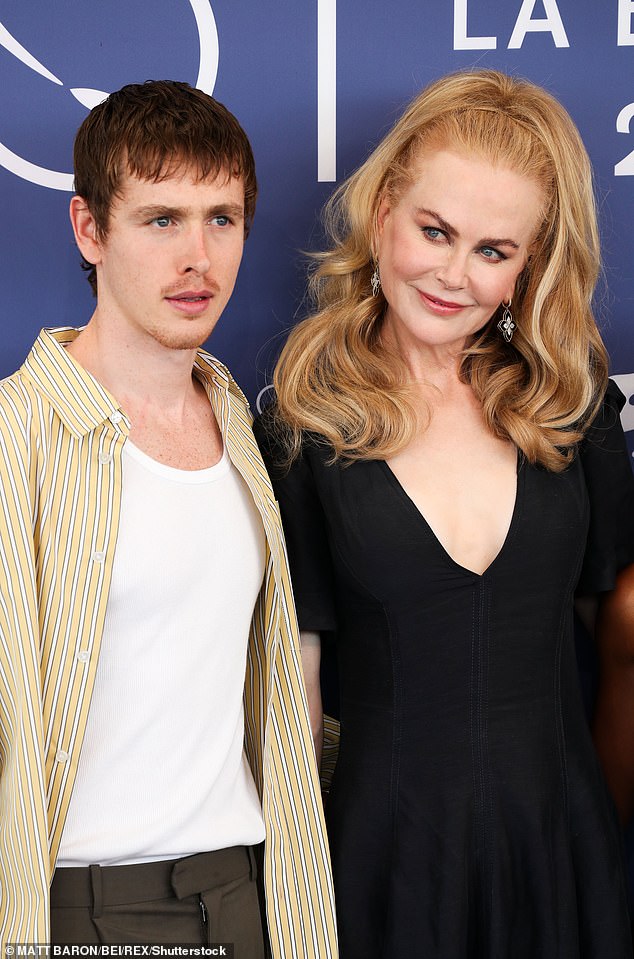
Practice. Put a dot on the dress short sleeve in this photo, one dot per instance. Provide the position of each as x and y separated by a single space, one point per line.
610 483
304 525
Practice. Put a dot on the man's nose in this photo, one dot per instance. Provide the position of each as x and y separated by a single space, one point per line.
195 256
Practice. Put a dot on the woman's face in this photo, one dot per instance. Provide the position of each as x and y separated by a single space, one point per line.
451 248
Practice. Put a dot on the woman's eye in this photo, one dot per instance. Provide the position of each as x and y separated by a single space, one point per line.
433 233
490 254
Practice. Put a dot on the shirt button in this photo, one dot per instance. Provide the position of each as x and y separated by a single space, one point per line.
105 458
116 417
98 557
83 656
61 756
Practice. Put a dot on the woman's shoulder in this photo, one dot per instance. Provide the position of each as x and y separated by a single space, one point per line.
605 432
607 468
280 448
270 437
613 400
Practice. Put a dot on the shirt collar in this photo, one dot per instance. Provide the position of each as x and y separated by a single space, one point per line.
215 377
81 402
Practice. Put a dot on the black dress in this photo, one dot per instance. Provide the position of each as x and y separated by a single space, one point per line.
468 816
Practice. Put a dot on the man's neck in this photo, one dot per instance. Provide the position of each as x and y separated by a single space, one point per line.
170 416
135 370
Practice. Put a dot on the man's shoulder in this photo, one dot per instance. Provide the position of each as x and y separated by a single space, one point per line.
23 394
20 410
15 391
20 381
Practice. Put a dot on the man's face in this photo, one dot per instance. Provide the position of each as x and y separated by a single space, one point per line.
169 262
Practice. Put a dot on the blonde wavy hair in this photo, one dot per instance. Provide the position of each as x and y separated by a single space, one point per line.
336 378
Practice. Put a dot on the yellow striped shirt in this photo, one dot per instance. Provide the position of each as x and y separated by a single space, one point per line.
61 439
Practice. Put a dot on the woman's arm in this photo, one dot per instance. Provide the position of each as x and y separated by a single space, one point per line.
311 660
614 713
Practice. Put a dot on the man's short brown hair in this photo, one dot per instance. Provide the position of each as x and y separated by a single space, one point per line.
151 130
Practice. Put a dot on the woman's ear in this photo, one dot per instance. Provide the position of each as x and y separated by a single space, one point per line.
382 214
85 230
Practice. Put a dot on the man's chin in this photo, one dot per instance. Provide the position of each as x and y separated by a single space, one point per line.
191 339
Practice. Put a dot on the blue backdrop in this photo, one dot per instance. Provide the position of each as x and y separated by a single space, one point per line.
315 85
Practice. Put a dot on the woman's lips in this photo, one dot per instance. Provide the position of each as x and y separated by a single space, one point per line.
438 305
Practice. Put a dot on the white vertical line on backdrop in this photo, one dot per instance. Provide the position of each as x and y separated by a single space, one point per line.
326 91
209 54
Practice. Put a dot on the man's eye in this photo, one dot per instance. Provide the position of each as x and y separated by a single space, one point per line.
221 220
162 221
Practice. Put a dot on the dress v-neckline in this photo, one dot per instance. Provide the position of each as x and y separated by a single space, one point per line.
409 502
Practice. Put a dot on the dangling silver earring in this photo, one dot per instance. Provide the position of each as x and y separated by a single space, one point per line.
507 324
375 280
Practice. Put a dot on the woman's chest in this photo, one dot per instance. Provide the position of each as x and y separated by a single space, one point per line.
381 541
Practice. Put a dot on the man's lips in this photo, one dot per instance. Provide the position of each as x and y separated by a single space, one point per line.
190 302
190 295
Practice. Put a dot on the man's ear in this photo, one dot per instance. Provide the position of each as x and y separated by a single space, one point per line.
85 230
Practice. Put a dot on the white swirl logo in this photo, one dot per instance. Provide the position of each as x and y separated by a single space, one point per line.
56 180
259 402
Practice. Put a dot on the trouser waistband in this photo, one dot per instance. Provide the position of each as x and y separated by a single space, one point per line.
143 882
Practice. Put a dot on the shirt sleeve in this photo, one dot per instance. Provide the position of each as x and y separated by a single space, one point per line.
305 527
610 482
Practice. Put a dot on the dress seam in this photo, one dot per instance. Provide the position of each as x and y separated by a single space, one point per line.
481 602
397 728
